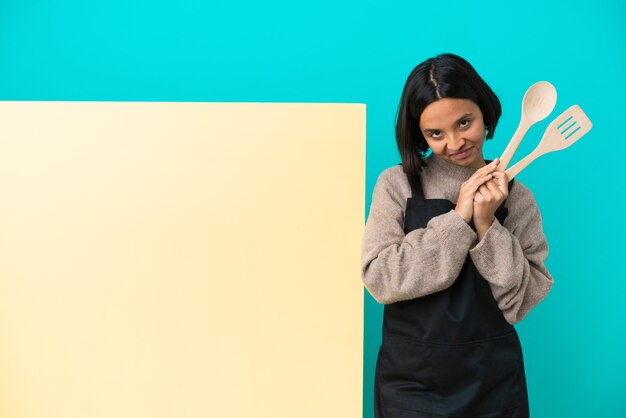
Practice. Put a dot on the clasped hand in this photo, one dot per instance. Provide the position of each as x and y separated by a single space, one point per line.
481 195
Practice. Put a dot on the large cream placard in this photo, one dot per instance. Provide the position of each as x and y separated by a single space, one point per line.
181 260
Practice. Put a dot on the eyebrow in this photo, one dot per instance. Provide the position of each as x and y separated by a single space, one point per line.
465 116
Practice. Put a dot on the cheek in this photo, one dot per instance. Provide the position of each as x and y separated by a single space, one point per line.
476 133
435 146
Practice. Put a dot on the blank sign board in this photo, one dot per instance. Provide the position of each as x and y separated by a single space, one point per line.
181 260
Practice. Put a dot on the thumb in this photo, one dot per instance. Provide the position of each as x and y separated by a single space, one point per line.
502 179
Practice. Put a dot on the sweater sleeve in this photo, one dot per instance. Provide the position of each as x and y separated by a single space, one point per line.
397 266
511 257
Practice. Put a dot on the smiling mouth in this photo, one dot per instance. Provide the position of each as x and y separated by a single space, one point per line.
462 154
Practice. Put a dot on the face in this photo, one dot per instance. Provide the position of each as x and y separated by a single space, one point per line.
454 130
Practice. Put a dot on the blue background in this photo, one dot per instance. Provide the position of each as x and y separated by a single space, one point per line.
362 51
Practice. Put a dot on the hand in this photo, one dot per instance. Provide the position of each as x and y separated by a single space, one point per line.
487 199
465 203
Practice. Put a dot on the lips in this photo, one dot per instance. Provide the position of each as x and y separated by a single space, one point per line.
462 154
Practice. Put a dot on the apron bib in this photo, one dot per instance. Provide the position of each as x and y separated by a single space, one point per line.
451 353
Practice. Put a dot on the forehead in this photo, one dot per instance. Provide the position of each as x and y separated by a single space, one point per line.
446 112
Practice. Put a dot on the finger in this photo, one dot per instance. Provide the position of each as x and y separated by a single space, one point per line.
481 176
492 165
491 192
495 162
501 175
503 182
485 179
485 192
489 168
494 188
476 182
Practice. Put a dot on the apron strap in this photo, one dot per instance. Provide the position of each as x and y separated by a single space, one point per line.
416 186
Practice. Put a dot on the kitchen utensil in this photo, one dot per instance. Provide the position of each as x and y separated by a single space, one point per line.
566 129
537 104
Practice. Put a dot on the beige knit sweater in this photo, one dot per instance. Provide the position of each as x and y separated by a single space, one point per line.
397 266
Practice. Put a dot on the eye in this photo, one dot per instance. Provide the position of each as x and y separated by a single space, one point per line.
434 134
464 123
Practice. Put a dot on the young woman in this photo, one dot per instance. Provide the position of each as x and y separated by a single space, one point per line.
456 253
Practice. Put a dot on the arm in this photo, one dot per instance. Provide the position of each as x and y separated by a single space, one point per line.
511 257
397 266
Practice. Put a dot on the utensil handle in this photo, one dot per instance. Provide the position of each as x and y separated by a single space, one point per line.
522 164
519 134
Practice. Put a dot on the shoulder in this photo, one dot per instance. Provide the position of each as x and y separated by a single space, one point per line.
393 183
393 174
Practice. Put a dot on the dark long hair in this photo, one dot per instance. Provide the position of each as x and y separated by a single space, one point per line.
443 76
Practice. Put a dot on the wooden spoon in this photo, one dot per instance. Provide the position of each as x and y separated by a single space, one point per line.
537 104
566 129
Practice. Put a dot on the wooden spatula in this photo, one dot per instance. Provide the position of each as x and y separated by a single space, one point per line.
566 129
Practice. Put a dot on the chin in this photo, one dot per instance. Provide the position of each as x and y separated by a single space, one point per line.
468 162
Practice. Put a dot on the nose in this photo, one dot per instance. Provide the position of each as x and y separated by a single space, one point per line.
456 142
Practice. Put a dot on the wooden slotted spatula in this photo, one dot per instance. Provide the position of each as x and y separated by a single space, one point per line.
566 129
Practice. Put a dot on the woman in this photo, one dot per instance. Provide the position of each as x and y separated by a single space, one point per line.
455 252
